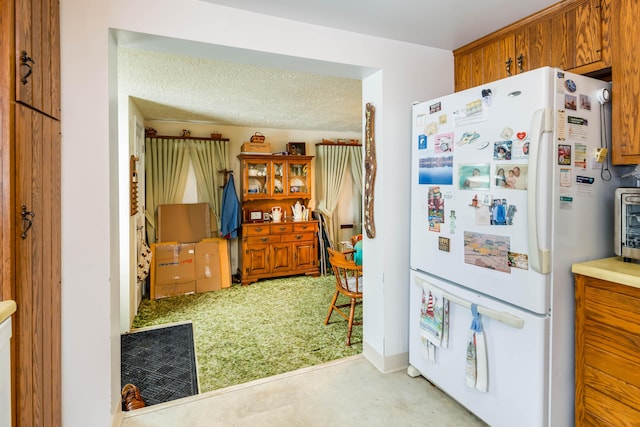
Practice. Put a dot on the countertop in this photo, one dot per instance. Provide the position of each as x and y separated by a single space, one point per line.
7 308
610 269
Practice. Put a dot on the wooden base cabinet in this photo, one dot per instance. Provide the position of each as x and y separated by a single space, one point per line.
607 353
279 249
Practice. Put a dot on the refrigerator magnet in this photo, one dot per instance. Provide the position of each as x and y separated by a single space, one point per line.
452 222
444 244
570 85
564 155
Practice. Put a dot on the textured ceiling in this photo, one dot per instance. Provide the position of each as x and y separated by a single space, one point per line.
181 81
173 87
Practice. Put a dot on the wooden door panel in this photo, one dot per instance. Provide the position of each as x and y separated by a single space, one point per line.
256 259
280 257
477 68
536 50
38 279
304 255
562 50
37 55
462 64
588 36
626 91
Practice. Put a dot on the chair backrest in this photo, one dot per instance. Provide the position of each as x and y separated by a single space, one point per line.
348 274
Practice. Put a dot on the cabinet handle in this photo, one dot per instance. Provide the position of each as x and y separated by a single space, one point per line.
508 63
520 63
259 229
283 228
299 236
24 61
264 239
27 222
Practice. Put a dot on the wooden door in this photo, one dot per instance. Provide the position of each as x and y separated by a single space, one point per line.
533 46
496 57
462 71
305 255
625 121
256 258
280 257
588 32
37 53
38 264
579 36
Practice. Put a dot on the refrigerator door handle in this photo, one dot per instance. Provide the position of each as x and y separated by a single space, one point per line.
539 258
501 316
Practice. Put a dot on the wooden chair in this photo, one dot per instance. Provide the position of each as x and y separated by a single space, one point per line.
348 283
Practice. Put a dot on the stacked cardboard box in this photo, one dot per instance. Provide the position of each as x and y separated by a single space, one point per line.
256 147
192 262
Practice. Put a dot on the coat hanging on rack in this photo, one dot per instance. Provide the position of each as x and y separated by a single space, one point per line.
230 220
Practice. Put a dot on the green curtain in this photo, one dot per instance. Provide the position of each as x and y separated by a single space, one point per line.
356 173
166 169
209 158
331 165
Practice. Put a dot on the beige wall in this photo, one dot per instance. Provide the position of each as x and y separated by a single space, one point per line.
394 75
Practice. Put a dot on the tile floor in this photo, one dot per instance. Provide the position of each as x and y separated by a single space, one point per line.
348 392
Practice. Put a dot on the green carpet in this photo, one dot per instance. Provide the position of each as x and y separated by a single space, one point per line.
256 331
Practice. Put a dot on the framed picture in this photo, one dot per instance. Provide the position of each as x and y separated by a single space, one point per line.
255 216
297 148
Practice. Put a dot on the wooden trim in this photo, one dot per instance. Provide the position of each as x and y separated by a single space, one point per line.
339 144
204 138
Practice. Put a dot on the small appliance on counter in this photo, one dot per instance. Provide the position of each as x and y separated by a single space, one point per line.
627 223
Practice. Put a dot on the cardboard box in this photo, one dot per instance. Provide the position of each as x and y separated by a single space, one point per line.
213 270
256 147
174 263
164 291
208 267
184 223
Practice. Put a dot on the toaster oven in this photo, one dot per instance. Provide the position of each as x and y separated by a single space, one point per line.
627 223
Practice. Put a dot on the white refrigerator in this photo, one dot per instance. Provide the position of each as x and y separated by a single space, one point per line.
511 184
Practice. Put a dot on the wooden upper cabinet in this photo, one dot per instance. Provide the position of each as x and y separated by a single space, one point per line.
625 121
462 71
499 59
572 35
533 46
583 36
37 55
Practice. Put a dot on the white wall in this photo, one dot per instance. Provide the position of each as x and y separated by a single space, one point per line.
90 236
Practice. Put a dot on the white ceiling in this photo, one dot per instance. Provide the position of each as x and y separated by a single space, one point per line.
174 80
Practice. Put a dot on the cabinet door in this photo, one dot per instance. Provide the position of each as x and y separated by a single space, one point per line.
588 32
37 55
280 257
579 35
279 169
299 178
533 46
305 255
462 71
256 178
38 268
625 121
256 259
498 59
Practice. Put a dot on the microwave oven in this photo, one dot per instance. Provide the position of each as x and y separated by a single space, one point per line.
627 223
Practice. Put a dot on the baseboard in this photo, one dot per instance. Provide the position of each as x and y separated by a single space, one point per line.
118 415
388 364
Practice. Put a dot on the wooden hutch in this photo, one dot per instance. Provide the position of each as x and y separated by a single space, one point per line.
273 249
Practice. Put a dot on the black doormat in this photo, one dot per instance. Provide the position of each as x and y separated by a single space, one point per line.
161 362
